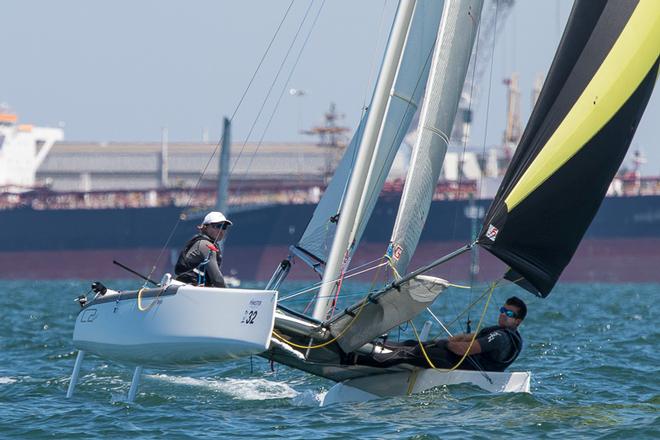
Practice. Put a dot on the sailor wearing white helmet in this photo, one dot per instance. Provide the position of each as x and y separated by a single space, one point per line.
199 261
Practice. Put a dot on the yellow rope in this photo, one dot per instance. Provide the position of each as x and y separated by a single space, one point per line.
474 336
389 261
306 347
139 300
313 347
469 307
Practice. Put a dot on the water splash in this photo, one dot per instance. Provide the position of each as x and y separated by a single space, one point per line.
240 389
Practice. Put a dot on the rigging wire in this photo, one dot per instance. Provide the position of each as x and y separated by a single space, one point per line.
284 87
464 150
349 274
369 85
488 96
474 336
490 86
344 330
327 233
217 146
272 86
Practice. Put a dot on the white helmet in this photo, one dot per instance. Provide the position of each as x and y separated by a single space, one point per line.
215 217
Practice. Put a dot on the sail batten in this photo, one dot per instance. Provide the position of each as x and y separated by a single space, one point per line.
597 88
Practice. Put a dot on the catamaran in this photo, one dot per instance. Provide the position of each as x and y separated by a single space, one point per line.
595 93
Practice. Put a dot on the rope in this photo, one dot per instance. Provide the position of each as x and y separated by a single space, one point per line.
313 347
350 324
139 300
392 267
474 336
472 304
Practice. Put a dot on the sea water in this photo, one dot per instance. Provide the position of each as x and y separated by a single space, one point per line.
592 350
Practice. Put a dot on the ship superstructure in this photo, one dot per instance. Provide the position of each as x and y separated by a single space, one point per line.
23 147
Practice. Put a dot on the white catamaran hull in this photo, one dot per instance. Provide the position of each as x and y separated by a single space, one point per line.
417 381
180 325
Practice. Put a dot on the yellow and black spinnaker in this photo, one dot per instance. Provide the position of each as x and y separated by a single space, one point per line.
577 136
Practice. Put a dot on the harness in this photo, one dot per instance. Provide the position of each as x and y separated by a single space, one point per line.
200 270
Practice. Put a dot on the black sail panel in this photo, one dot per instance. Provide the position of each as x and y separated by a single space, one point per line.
597 89
542 121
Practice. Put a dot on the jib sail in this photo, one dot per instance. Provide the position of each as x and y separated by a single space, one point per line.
577 136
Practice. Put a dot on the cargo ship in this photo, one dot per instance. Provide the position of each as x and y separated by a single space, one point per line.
62 216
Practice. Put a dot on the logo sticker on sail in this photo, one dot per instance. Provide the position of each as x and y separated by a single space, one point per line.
398 250
492 232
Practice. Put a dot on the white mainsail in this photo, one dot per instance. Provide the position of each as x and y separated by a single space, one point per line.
451 57
398 89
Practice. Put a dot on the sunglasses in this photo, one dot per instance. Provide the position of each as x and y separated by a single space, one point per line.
509 313
221 226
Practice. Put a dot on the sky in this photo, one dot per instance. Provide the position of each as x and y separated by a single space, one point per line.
123 70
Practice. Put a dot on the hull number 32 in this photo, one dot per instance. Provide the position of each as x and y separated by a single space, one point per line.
249 316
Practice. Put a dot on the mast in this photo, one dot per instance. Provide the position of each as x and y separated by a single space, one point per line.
223 168
358 177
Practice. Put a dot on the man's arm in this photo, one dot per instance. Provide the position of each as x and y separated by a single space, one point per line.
494 341
459 347
213 275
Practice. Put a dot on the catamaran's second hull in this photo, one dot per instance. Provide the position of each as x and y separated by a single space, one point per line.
419 380
176 325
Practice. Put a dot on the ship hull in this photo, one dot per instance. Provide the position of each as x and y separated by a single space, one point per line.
622 244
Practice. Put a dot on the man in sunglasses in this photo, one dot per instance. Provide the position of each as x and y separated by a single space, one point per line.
199 261
493 349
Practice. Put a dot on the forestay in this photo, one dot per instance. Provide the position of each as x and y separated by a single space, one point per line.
577 136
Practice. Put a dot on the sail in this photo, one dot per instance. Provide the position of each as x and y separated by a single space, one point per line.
577 136
370 318
317 238
405 98
398 89
405 95
451 57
